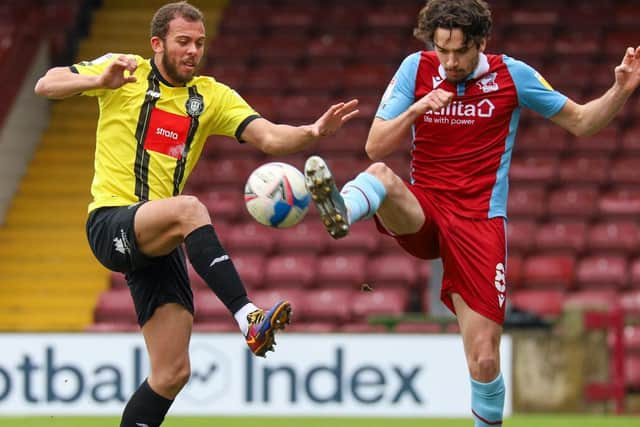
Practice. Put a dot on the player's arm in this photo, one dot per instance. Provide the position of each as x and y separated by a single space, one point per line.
61 82
385 136
588 119
279 139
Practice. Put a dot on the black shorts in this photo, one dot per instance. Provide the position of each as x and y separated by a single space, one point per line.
152 281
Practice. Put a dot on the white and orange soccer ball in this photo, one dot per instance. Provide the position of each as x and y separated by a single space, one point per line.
276 196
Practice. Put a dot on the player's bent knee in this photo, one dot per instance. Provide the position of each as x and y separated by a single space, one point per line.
384 174
190 208
173 379
485 369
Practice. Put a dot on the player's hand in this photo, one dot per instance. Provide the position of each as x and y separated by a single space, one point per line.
435 100
334 118
119 72
628 72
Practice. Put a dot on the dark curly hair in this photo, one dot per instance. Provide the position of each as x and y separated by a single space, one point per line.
170 11
473 17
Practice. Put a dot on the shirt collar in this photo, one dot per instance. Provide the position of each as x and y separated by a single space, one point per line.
481 69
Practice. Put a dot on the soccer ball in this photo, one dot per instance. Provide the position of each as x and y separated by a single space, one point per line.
276 196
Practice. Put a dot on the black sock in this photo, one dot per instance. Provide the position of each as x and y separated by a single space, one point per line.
212 263
146 407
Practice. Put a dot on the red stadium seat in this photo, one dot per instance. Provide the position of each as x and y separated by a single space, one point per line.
342 271
561 236
367 77
250 267
280 48
330 48
302 108
630 303
549 271
265 298
313 327
547 303
223 205
541 137
620 203
573 201
514 271
350 140
521 234
362 327
215 327
600 299
290 271
250 237
526 202
604 142
269 79
632 371
602 271
631 138
584 169
614 236
533 169
233 75
236 49
625 171
308 237
392 271
328 305
380 302
316 78
363 238
115 306
208 308
117 280
634 273
230 173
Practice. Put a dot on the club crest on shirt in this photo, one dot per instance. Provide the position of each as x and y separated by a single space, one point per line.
195 105
488 83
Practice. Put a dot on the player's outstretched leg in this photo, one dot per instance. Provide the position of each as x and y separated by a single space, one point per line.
263 326
326 197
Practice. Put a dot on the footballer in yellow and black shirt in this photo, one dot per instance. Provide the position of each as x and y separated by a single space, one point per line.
150 133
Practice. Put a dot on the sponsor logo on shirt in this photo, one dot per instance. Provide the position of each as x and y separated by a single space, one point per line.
461 113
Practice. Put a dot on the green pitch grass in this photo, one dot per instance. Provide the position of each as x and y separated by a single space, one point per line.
516 421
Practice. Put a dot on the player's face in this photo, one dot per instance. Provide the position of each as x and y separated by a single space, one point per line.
458 58
181 51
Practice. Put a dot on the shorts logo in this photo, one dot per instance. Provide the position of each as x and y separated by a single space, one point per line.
500 283
121 244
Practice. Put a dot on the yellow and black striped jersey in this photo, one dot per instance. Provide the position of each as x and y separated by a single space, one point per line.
150 134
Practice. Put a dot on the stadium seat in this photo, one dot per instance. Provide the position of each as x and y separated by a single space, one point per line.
619 203
117 280
614 236
308 237
514 271
290 271
591 298
215 327
364 78
625 171
228 49
316 78
233 75
521 235
361 327
632 371
250 267
229 174
209 308
547 303
604 142
630 303
561 236
584 169
250 237
573 201
349 141
533 169
634 273
549 271
115 306
341 271
541 137
392 271
269 79
380 302
328 305
418 327
330 48
281 48
630 139
526 202
363 238
313 327
602 271
302 108
223 205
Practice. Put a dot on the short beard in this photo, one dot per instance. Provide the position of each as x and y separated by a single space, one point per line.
172 71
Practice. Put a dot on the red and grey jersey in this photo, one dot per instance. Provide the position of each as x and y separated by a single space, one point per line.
462 154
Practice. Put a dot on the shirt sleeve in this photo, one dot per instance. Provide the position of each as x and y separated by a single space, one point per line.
533 90
94 68
400 93
233 113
